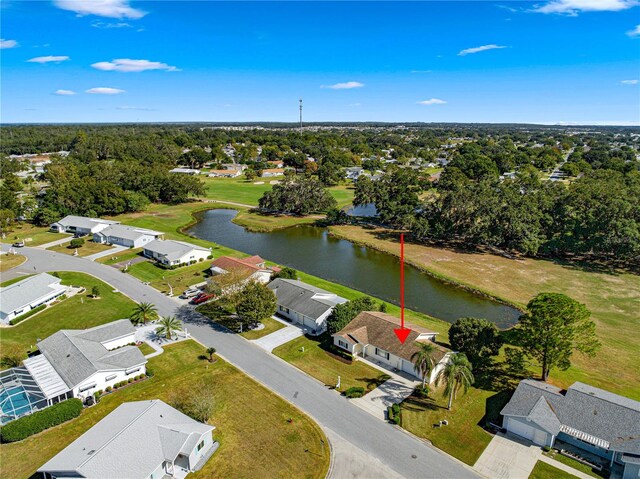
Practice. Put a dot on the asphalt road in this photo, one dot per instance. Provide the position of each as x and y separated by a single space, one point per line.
396 449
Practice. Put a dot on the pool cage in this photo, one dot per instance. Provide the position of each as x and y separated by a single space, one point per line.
19 394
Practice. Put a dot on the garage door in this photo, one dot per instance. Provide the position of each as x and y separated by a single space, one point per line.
520 429
308 322
407 367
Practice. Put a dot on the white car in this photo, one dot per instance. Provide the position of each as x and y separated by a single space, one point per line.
190 293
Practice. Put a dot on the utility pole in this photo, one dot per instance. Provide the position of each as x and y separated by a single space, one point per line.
300 115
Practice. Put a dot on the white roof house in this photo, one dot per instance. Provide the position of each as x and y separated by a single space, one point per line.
138 440
170 252
23 296
81 224
185 171
129 236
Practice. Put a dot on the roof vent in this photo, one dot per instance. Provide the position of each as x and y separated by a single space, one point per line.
91 451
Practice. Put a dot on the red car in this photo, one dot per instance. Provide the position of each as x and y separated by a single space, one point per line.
201 298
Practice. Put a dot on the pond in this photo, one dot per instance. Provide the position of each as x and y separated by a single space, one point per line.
312 250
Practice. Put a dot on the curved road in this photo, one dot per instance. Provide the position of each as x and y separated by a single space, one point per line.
397 450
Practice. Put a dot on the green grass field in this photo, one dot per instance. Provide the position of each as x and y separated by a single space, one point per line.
179 278
88 248
314 356
542 470
252 424
78 312
31 235
9 261
270 326
146 349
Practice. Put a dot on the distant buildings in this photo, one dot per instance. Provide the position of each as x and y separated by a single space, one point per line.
185 171
81 225
270 172
224 173
26 295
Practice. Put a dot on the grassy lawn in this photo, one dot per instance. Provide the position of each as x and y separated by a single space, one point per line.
146 349
88 248
8 261
554 454
463 438
251 422
264 223
125 255
542 470
78 312
14 280
270 326
612 297
179 278
31 235
318 361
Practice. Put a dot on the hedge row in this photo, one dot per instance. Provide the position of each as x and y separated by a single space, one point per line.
15 321
39 421
393 413
354 392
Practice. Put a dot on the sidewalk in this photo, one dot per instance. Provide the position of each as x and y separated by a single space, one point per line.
564 467
64 240
279 337
111 251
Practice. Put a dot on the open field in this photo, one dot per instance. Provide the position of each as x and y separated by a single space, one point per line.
125 255
8 261
179 278
88 248
78 312
542 470
31 235
256 438
318 361
612 297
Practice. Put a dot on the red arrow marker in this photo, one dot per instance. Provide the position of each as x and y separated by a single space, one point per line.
402 332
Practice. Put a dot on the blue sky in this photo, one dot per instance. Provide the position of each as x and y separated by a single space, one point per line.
558 61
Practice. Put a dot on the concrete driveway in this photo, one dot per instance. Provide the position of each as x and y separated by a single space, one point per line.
114 250
393 391
279 337
508 457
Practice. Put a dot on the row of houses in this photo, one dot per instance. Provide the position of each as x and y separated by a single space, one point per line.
106 231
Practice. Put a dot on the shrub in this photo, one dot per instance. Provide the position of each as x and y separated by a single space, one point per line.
354 392
210 256
421 392
77 243
546 448
150 372
393 413
15 321
39 421
109 389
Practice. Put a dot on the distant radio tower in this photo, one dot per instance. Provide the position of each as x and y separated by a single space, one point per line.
300 115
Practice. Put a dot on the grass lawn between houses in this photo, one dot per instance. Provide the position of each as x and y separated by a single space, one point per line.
318 360
88 248
270 326
179 278
542 470
31 235
9 261
555 454
256 438
146 349
77 312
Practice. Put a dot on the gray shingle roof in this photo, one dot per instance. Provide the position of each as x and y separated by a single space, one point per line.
613 419
171 249
83 222
303 298
132 441
29 290
78 354
127 232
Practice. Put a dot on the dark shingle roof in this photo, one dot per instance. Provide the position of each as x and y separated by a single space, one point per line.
303 298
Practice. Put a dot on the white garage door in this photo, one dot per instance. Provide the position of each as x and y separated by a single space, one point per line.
407 367
521 429
308 322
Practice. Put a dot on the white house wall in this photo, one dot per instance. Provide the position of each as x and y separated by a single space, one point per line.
196 455
119 342
100 379
46 299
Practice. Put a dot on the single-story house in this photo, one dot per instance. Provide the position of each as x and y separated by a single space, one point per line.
304 304
353 172
269 172
234 166
583 418
174 253
137 440
248 269
81 225
371 335
23 296
129 236
224 173
276 163
185 171
71 363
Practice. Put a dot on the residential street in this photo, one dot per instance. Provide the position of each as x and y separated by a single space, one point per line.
395 448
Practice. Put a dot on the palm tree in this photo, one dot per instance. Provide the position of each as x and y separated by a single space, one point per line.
144 312
456 374
168 326
423 361
211 351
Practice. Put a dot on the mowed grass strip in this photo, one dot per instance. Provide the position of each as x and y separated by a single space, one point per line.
252 424
542 470
31 235
314 357
270 326
165 279
88 248
10 261
77 312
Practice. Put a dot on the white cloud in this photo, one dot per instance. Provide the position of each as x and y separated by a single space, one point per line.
635 32
49 59
64 92
344 86
102 8
129 65
138 108
104 91
432 101
573 7
483 48
7 43
629 82
99 24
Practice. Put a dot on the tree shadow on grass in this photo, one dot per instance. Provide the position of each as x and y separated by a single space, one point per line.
373 383
494 405
416 404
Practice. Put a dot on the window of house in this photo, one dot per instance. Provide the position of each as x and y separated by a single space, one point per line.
200 446
343 344
110 378
131 371
382 353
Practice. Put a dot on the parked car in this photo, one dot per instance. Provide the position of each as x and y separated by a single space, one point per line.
202 298
18 244
191 292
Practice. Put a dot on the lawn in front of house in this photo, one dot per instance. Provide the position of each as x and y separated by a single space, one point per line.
319 358
146 349
252 423
120 257
88 248
463 438
9 261
568 461
542 470
270 326
31 235
223 313
77 312
179 279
